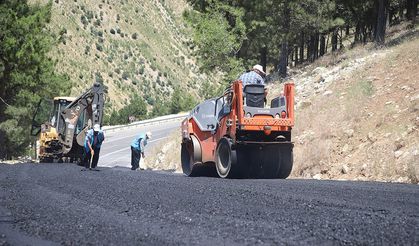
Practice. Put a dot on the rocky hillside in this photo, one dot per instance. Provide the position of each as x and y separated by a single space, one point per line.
132 46
358 113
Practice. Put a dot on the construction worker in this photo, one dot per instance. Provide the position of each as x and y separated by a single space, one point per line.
92 144
255 76
137 149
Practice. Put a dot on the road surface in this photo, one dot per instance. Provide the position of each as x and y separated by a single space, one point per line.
116 150
50 204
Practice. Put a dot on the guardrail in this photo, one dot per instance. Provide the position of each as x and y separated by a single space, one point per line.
157 120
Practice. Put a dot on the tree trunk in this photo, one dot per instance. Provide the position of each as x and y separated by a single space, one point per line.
327 41
412 10
263 57
335 40
381 22
401 11
322 45
283 60
316 45
347 31
409 8
357 35
302 47
296 55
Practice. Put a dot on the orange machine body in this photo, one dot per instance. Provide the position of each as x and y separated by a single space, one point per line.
241 125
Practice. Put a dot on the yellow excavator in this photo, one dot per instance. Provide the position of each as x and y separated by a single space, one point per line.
61 139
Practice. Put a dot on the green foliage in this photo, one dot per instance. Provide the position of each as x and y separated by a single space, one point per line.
136 108
26 72
219 39
181 101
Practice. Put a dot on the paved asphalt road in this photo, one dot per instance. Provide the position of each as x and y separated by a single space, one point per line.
49 204
116 149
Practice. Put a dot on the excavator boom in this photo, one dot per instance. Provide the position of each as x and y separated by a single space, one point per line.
91 103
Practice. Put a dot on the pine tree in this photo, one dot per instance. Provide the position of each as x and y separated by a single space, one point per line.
26 72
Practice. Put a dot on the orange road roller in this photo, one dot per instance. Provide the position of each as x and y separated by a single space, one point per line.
239 135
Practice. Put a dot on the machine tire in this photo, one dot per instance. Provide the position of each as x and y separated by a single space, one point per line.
225 159
191 156
186 159
287 160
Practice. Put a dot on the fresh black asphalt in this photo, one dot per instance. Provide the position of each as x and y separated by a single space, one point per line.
48 204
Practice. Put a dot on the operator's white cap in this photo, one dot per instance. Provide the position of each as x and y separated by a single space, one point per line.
148 134
96 127
259 68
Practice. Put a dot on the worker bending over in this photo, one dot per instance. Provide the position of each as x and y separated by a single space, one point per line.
137 149
92 144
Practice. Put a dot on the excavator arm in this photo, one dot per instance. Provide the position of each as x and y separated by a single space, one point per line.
90 106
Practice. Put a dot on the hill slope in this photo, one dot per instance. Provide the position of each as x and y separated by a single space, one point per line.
358 113
133 46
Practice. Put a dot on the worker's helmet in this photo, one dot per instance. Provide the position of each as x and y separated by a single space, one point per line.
148 135
259 68
96 127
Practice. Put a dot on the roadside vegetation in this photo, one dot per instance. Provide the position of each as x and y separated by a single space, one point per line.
27 73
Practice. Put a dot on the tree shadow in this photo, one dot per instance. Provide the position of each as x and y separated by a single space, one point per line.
403 38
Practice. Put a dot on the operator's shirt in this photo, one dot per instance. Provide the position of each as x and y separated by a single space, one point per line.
139 142
95 141
251 78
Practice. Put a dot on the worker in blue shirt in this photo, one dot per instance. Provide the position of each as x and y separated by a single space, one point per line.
137 149
255 76
92 144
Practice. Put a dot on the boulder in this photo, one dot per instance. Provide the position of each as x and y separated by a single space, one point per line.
371 137
398 153
349 133
305 104
318 79
327 93
344 169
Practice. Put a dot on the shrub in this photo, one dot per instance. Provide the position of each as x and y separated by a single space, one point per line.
97 23
87 50
134 36
112 31
125 75
99 47
98 78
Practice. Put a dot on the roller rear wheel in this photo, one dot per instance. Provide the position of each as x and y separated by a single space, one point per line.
191 156
226 159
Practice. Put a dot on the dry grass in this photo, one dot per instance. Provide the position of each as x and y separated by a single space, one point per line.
375 103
